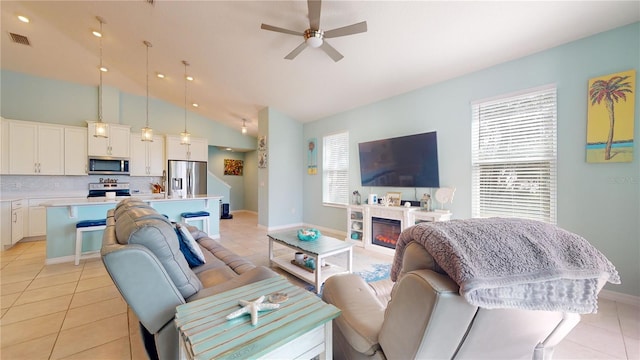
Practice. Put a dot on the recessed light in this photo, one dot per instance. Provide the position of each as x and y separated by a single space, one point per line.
195 105
96 33
190 78
23 18
103 69
160 75
229 149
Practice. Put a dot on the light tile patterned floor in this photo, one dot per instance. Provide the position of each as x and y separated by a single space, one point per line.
75 312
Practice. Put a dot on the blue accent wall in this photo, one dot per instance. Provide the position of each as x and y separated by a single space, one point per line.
598 201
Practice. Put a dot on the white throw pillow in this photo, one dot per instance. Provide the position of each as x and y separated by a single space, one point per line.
191 242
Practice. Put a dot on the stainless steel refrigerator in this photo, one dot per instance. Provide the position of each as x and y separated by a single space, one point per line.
187 178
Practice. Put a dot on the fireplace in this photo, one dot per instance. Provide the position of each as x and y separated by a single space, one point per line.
385 232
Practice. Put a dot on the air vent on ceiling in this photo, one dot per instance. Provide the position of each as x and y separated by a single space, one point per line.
150 1
20 39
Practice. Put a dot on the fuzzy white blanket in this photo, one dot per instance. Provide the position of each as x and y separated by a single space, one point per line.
514 263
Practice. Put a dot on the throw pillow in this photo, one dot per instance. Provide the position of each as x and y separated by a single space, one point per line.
190 241
192 259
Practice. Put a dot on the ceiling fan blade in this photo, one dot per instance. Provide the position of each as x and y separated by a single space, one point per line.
296 51
281 30
346 30
314 14
331 51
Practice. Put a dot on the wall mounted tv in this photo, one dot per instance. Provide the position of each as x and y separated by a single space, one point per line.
406 161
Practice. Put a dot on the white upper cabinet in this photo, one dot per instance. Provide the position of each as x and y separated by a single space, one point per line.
115 145
75 151
147 158
197 151
35 148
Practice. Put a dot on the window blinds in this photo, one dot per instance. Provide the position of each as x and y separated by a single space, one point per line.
514 156
335 169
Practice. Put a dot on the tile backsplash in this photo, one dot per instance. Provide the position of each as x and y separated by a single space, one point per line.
66 185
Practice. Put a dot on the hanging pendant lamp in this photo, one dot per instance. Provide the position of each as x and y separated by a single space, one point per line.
147 132
244 126
185 137
101 127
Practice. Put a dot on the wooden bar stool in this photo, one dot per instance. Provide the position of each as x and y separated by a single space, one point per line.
195 216
84 226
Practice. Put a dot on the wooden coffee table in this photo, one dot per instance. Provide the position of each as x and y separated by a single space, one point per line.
300 329
318 249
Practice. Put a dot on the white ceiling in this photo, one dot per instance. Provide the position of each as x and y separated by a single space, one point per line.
240 69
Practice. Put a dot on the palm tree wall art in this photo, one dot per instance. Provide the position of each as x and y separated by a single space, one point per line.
610 118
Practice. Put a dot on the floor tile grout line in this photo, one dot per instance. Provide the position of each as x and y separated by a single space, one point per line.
65 316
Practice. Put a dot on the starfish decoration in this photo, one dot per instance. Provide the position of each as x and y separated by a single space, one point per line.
252 307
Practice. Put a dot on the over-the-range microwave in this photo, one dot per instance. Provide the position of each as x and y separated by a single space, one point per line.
107 165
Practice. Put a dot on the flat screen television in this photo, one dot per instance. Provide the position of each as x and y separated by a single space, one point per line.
406 161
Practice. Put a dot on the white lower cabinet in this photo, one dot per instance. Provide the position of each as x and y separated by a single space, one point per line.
36 224
12 221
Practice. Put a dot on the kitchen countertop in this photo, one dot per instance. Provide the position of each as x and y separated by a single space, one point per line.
104 200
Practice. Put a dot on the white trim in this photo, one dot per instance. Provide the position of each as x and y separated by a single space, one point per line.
284 227
341 234
71 258
620 297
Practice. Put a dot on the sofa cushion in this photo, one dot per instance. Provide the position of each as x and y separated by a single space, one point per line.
237 263
141 224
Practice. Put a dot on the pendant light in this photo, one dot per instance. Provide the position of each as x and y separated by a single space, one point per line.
101 127
244 127
185 137
147 132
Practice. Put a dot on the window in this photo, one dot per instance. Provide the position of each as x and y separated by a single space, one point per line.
514 156
335 169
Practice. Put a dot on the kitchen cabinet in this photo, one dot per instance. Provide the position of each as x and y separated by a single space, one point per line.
116 144
197 151
75 151
17 221
4 146
35 221
147 158
35 148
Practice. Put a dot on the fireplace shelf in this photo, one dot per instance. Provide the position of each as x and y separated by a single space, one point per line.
359 226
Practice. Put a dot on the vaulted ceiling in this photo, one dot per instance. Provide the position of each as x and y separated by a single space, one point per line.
239 68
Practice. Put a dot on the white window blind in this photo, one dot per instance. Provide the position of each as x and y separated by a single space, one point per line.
335 169
514 156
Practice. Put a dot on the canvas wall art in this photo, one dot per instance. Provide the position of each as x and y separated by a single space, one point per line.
312 157
610 118
233 167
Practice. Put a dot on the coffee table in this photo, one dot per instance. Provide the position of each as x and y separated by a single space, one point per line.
319 249
300 329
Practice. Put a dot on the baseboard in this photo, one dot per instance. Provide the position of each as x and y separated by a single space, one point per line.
72 258
245 211
341 234
620 297
284 227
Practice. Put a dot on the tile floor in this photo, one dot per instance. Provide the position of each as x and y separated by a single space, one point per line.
75 312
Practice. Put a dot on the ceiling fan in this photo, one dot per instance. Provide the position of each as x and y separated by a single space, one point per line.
315 37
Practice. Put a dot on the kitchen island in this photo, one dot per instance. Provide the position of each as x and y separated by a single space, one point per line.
62 216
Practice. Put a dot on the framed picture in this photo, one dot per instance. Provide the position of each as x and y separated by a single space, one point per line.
395 198
233 167
610 118
262 143
262 159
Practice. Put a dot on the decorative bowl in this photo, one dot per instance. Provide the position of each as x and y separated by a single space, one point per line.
308 234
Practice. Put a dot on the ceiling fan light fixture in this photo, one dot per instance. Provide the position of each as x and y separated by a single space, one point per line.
313 38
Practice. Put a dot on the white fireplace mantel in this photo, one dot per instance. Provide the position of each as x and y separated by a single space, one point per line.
407 216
